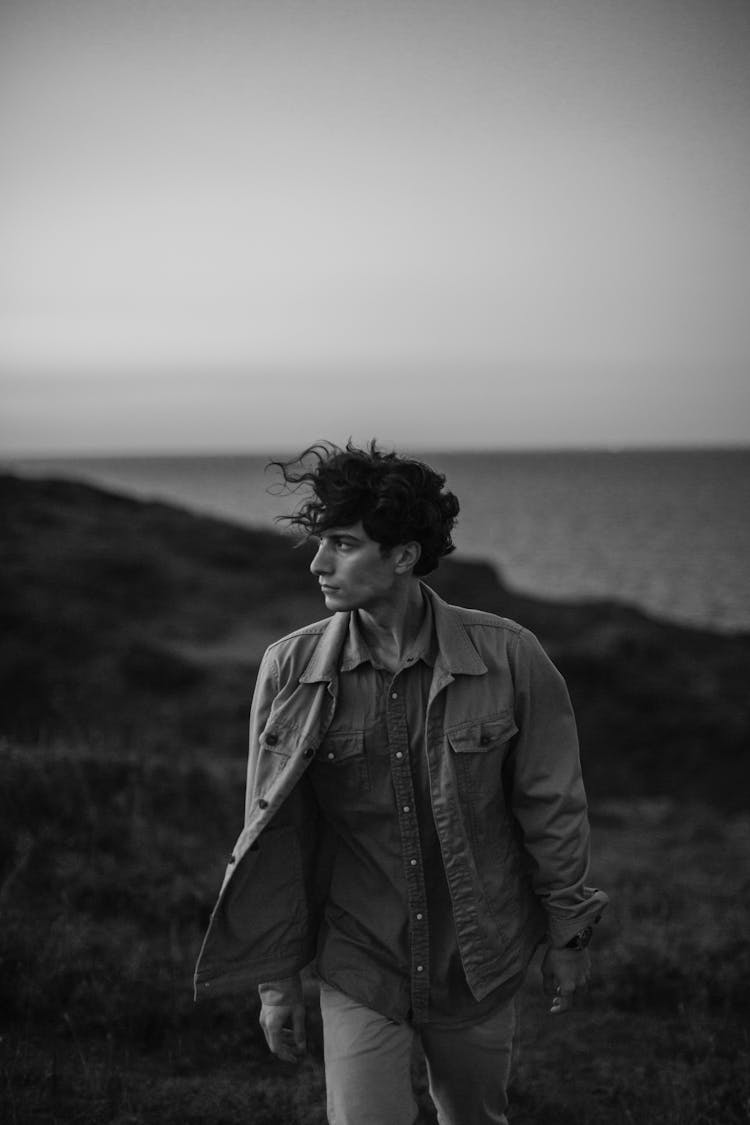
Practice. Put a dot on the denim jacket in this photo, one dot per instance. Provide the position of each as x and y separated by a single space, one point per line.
506 792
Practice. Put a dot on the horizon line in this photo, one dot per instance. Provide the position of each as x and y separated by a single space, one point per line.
182 454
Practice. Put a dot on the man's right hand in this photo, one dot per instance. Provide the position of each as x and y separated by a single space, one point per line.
282 1018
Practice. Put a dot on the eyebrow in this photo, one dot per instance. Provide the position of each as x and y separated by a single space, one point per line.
332 533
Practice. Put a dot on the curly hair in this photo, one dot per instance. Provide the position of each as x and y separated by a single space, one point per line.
398 499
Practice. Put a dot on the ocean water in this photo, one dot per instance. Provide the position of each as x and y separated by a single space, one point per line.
668 531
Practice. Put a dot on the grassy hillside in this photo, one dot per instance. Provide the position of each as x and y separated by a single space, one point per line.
142 626
132 633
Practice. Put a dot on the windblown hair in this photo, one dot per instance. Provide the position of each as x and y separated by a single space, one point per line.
398 500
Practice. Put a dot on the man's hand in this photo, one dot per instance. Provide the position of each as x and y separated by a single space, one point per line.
563 971
284 1028
282 1018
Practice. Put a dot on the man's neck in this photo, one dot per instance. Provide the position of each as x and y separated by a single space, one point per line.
391 630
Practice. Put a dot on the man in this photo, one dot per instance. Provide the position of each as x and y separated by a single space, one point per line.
415 816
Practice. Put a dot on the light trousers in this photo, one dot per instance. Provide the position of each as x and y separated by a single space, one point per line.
368 1066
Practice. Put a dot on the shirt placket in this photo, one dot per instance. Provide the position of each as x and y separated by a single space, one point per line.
411 852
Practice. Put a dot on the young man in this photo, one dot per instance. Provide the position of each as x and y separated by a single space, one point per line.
415 816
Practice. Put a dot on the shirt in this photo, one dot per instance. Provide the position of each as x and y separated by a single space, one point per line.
387 938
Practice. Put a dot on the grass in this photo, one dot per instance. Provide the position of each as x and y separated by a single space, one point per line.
110 866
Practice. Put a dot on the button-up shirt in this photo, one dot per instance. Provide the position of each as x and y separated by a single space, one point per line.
388 937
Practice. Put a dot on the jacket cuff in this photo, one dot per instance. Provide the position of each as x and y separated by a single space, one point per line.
281 993
565 924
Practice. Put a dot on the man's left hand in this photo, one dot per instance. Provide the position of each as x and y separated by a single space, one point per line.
564 971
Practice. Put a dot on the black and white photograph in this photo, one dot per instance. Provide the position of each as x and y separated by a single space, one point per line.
374 562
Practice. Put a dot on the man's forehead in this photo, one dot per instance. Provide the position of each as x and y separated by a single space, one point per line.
351 530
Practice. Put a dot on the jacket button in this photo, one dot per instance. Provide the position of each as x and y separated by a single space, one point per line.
232 859
263 803
271 739
484 740
309 752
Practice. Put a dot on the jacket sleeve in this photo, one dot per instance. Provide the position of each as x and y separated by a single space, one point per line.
264 924
266 690
547 794
284 993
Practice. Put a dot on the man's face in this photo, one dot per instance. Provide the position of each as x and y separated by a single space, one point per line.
352 570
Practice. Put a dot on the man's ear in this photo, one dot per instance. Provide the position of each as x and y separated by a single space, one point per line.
407 557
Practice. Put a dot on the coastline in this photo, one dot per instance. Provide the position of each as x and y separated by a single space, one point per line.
663 530
114 606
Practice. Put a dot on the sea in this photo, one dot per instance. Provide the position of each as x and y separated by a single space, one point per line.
665 530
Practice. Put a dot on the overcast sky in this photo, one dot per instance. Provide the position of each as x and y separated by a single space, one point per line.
249 224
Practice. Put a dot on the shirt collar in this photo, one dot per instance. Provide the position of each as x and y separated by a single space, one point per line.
356 651
454 652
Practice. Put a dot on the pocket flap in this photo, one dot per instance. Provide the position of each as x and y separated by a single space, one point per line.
342 746
482 735
277 740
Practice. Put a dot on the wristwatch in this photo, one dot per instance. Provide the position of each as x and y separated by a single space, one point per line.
581 939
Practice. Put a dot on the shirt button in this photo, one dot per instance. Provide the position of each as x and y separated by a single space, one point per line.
331 756
407 808
413 862
394 695
399 754
420 917
420 968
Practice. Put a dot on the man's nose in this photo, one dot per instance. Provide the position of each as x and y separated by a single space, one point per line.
321 563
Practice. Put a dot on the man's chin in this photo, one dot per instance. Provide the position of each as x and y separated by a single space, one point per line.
334 599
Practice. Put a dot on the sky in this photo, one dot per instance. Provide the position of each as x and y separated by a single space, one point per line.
250 224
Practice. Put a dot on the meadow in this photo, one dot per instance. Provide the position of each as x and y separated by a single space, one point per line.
135 634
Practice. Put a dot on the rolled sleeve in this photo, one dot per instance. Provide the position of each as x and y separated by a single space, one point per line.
548 797
282 993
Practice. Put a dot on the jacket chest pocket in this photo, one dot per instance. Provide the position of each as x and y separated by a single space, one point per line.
478 751
276 746
340 765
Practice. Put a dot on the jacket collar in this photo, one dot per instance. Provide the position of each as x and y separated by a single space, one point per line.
455 652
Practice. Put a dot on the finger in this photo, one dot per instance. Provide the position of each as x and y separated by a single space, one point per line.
264 1028
298 1027
563 1000
285 1054
291 1041
271 1021
281 1045
288 1051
